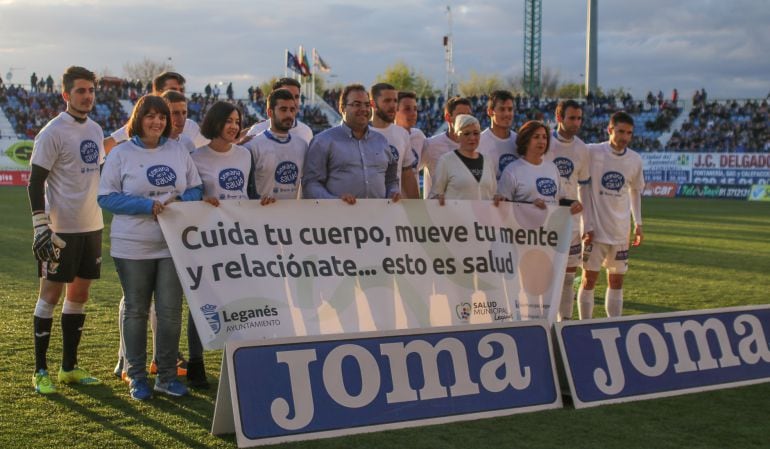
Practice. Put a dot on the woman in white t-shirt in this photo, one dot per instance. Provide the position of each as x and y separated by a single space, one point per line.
464 174
530 179
140 177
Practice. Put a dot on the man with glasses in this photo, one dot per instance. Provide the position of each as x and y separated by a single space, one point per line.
349 161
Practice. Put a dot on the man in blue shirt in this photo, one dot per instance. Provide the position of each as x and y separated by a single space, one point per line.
349 161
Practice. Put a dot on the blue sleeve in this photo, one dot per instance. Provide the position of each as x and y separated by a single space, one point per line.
120 203
192 194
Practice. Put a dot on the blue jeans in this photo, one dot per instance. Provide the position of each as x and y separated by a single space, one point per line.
140 279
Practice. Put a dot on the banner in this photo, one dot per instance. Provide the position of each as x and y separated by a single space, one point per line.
309 267
735 192
665 354
660 189
707 168
14 162
336 385
760 193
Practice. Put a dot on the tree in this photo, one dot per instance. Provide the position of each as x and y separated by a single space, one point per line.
403 77
267 86
570 90
478 84
146 69
549 83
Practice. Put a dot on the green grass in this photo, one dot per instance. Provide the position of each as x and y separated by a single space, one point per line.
697 254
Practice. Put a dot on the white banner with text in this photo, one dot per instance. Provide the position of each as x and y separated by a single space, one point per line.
307 267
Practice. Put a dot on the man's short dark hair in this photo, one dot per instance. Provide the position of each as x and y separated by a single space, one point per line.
159 82
144 106
283 82
378 88
498 96
453 102
173 96
406 94
278 94
76 73
621 117
563 105
346 91
216 117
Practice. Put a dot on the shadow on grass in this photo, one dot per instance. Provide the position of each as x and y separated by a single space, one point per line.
194 409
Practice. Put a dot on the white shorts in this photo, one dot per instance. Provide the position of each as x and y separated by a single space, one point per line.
612 257
575 250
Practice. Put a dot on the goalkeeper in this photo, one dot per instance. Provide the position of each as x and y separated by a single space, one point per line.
67 223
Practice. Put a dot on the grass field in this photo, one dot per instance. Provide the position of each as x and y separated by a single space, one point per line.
698 254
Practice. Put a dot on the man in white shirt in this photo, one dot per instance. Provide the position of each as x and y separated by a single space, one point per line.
617 181
177 104
570 155
406 117
298 129
439 144
67 222
277 155
498 142
384 98
161 83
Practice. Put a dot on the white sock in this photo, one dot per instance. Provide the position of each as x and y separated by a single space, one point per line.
567 297
74 308
44 309
613 302
585 304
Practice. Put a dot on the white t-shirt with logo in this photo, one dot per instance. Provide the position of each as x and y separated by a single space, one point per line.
434 148
523 181
571 158
278 165
501 151
72 153
400 145
612 176
299 129
417 141
225 175
159 174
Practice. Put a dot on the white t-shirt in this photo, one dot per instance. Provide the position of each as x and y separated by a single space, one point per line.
72 153
159 174
299 129
434 148
454 180
278 165
186 142
571 158
523 181
225 175
191 130
612 176
400 145
501 151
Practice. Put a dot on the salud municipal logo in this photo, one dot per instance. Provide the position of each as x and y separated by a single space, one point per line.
463 311
212 317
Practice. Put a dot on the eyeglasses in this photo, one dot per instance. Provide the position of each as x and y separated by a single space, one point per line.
358 105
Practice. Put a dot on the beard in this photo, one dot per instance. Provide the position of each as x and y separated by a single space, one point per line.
384 116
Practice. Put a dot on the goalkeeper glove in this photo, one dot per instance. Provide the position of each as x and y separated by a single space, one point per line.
46 244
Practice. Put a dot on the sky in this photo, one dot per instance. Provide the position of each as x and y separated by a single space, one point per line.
722 46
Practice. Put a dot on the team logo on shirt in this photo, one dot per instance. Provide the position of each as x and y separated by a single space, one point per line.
546 186
286 172
393 153
231 179
212 317
416 159
89 152
504 160
565 166
161 176
613 180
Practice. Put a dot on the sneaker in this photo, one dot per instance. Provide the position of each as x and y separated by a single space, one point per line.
77 376
42 382
196 375
181 366
173 388
140 389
